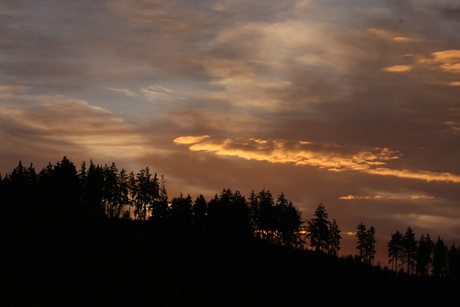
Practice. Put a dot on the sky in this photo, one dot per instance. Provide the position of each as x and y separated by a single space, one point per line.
352 104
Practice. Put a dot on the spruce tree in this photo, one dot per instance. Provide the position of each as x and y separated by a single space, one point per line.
395 249
318 229
409 249
440 258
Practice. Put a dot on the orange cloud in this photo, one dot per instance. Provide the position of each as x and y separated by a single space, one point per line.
447 56
378 197
421 175
190 139
353 197
422 197
398 68
447 60
402 39
298 153
389 35
306 153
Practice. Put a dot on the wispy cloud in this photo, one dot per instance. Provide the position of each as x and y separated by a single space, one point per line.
398 68
124 91
306 153
298 153
190 139
63 123
380 197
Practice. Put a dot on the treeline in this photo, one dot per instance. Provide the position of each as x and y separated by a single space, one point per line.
423 256
95 192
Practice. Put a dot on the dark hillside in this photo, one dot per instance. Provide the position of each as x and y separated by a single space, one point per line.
124 262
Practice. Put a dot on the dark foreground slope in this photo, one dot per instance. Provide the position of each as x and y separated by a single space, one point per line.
131 263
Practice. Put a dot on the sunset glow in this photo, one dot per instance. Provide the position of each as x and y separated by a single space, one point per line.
353 105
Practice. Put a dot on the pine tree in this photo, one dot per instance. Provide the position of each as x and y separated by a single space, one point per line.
288 222
318 229
159 206
454 262
334 239
199 211
370 247
262 213
181 210
366 243
440 258
395 249
423 258
361 245
147 190
409 249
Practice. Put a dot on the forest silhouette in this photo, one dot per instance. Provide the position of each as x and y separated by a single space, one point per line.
100 236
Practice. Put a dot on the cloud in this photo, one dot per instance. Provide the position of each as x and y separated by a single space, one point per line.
298 153
325 157
379 197
389 35
447 60
425 221
190 139
126 92
64 124
398 68
422 197
420 175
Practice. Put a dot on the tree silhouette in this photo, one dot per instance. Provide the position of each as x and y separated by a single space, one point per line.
92 182
424 251
318 229
409 250
159 207
288 222
263 213
370 250
454 262
111 193
440 258
181 211
146 191
66 192
366 243
334 239
395 249
228 216
199 211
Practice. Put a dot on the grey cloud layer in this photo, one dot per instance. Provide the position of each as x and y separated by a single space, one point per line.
344 75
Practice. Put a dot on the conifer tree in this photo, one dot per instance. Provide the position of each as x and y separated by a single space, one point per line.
395 249
409 249
440 258
147 190
288 222
181 210
424 252
361 245
318 229
454 262
334 239
199 211
366 243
